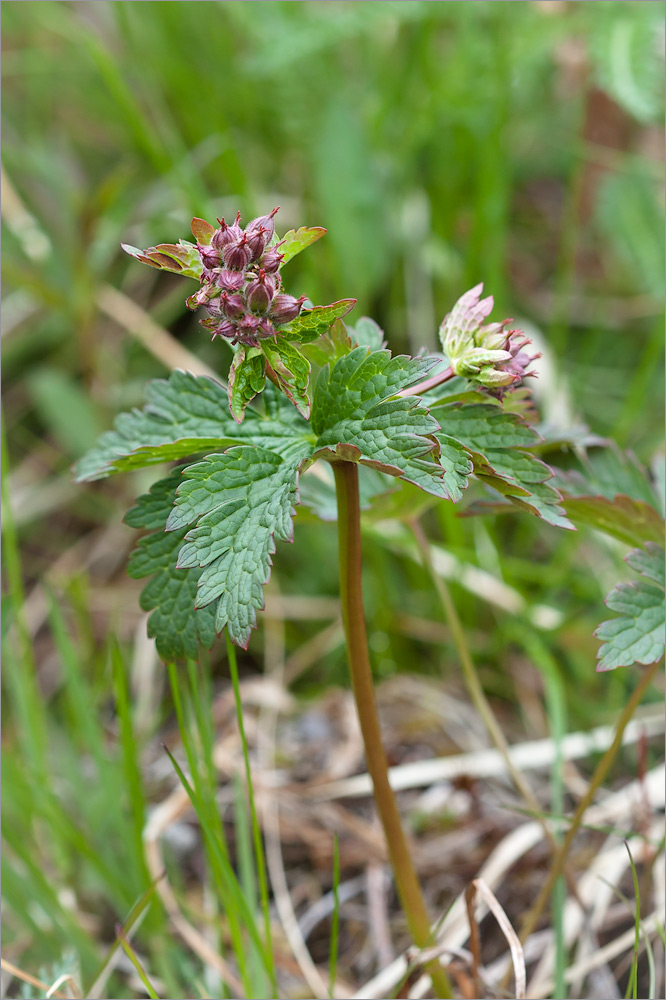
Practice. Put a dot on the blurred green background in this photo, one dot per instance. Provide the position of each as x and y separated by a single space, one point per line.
441 144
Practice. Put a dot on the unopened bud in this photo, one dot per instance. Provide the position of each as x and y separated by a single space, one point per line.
237 255
230 281
256 240
493 378
225 329
226 234
264 222
271 259
249 323
266 329
286 307
232 305
210 257
259 293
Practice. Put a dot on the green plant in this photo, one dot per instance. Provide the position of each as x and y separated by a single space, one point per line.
211 526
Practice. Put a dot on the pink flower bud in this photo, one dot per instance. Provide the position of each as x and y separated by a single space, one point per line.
210 257
259 293
286 307
230 281
264 222
237 255
232 305
226 234
225 329
256 240
271 259
248 324
266 329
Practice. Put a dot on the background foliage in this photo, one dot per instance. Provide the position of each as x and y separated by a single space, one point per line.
440 144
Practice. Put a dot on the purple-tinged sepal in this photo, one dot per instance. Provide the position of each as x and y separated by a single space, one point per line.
488 353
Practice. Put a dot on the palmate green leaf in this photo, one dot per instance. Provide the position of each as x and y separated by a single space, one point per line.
178 628
355 418
186 415
181 258
296 240
247 377
292 371
606 471
637 635
497 441
610 491
630 521
313 322
238 502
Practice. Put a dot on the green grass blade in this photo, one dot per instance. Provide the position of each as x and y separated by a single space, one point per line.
632 985
130 750
256 832
131 954
217 852
335 919
130 924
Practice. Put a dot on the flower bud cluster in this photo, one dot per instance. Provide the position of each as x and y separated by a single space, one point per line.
488 353
241 284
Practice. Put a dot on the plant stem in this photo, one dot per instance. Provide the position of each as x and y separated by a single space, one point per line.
351 597
430 383
532 918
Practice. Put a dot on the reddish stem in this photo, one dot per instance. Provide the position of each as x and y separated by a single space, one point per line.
430 383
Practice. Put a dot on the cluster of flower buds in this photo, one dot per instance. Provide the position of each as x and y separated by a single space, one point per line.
491 354
240 281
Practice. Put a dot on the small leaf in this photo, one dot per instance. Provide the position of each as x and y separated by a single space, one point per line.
367 333
184 416
313 322
292 371
630 521
202 231
247 377
637 635
609 472
358 418
178 628
330 347
181 258
297 240
649 562
239 502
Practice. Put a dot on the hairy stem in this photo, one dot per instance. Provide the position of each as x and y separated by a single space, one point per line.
351 596
533 916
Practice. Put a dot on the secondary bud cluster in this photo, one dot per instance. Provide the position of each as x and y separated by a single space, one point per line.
491 353
240 281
